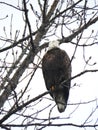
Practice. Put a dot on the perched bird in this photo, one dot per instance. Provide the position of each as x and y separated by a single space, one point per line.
56 68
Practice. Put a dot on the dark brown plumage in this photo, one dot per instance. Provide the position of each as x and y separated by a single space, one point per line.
56 68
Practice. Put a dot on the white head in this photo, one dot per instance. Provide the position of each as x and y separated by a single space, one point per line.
53 44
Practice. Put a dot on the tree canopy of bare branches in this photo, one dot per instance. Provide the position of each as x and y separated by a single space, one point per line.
27 27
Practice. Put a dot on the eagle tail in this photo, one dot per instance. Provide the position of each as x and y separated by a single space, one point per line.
62 97
61 105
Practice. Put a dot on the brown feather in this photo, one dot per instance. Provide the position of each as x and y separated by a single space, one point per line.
56 68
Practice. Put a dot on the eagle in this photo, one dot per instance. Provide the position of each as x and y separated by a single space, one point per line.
56 69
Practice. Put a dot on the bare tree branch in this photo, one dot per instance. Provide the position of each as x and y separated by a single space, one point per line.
60 125
11 6
28 23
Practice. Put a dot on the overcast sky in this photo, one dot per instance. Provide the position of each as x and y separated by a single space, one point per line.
86 88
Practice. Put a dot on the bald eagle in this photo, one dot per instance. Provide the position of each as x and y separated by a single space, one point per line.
56 68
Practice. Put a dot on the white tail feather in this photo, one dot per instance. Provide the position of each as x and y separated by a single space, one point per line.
61 107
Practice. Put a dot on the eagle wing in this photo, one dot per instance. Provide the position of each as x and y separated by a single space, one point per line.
56 69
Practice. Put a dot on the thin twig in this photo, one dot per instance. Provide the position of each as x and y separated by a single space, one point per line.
28 23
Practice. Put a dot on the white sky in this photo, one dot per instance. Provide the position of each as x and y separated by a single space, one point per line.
88 83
